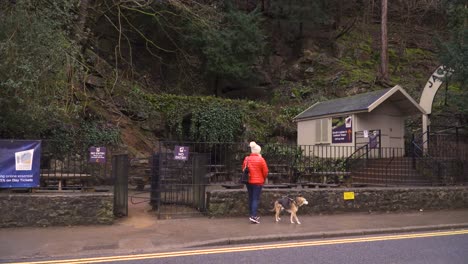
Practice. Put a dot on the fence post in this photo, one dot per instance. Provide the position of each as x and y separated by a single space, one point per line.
380 143
413 154
155 182
441 175
355 142
200 170
120 176
458 145
367 152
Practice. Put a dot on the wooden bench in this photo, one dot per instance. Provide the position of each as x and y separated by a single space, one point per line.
276 177
217 172
216 176
279 186
63 177
278 167
323 175
278 173
233 186
318 185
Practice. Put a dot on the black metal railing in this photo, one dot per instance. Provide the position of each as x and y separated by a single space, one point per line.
70 168
287 163
425 164
356 159
444 161
293 164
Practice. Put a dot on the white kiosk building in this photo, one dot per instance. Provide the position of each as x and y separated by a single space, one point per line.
357 120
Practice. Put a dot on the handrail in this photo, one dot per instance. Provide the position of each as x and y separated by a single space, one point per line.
350 157
390 162
364 146
421 139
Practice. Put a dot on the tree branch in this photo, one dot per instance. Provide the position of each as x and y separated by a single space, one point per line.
346 30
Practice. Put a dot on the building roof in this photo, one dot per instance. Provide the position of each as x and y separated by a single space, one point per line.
362 103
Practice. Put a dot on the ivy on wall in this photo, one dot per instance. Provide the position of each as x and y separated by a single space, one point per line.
209 119
198 118
215 122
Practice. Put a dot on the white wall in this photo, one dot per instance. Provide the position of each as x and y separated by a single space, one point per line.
389 120
306 132
306 137
385 117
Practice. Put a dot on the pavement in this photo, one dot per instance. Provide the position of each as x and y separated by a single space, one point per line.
141 232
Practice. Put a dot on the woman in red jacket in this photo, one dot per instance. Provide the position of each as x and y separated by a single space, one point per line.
258 171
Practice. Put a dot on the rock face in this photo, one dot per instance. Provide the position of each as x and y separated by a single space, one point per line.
49 209
223 203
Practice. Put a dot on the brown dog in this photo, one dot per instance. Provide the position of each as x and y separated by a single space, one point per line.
289 205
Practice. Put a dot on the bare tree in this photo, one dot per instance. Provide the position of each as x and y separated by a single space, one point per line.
80 32
384 44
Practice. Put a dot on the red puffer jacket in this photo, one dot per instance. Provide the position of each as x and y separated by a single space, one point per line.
258 169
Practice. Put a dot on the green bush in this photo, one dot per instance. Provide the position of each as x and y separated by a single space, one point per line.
37 57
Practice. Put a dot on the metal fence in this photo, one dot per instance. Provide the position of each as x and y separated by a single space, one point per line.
287 163
180 187
292 164
446 163
448 145
69 168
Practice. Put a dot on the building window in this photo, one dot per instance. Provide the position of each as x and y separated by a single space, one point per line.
322 130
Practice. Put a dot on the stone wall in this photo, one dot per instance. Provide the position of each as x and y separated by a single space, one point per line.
324 201
54 209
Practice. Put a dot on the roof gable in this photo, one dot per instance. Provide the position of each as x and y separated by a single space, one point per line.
365 102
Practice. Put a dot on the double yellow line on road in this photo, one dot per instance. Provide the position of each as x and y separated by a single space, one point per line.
246 248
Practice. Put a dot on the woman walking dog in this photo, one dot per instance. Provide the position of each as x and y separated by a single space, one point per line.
258 171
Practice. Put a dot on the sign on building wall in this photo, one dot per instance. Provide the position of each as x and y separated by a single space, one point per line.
373 136
373 139
20 163
181 153
342 130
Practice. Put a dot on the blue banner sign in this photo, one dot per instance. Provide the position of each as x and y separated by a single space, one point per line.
342 130
20 162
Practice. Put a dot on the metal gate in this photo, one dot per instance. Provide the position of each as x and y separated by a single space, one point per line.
178 186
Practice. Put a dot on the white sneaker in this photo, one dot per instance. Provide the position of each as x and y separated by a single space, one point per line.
254 219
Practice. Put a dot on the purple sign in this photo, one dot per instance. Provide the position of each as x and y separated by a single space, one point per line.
342 130
373 142
97 154
181 153
20 163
